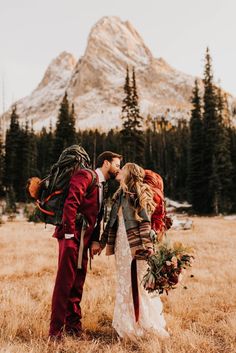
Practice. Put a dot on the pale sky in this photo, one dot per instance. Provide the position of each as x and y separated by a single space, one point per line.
32 33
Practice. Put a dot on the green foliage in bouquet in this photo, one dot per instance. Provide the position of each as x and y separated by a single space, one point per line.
166 266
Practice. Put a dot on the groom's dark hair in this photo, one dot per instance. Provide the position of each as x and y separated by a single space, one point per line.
107 156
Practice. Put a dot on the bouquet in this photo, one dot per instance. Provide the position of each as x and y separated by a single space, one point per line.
166 267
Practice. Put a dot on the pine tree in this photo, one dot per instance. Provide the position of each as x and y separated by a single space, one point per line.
195 175
45 145
113 141
65 134
24 172
211 129
72 124
10 200
126 106
27 158
126 131
182 164
149 142
132 134
13 156
2 160
137 124
223 156
165 144
232 134
137 120
50 159
169 158
33 153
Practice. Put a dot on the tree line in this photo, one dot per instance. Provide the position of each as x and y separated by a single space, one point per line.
196 159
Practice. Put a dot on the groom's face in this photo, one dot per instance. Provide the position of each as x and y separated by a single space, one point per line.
114 168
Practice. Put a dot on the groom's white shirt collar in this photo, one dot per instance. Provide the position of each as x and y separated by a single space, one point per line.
101 177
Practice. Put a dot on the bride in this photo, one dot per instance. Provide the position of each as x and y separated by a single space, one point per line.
127 235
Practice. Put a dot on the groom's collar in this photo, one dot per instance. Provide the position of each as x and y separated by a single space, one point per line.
101 177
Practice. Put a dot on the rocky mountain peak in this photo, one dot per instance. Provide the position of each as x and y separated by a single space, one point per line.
95 82
41 106
58 69
120 39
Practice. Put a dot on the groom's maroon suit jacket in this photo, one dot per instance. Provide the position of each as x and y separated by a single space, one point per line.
69 282
79 200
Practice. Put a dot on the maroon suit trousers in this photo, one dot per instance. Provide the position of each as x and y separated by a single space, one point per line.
68 288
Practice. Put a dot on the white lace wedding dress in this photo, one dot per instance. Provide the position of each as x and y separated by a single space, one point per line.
150 306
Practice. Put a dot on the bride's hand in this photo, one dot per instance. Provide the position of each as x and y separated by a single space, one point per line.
150 251
95 249
100 250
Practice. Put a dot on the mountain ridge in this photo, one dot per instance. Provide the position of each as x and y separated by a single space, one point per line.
95 81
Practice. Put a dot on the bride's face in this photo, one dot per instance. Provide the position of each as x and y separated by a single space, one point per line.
121 175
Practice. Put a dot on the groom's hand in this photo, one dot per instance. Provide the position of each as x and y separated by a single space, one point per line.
95 249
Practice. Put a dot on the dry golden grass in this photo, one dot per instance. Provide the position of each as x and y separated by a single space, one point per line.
200 319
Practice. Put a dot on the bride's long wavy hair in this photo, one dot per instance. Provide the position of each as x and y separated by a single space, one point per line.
139 193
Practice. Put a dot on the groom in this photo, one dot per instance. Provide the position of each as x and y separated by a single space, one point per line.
80 230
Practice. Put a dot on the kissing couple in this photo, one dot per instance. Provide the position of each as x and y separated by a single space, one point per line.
137 212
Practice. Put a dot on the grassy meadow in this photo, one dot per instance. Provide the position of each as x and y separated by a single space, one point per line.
200 319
